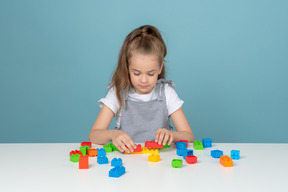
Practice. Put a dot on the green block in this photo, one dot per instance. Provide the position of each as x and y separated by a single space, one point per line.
83 150
165 146
113 147
198 145
177 163
107 148
74 158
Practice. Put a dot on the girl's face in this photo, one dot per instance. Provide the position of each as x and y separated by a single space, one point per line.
144 71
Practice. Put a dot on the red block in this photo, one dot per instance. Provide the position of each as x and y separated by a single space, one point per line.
83 162
138 148
75 152
191 159
86 143
153 144
186 141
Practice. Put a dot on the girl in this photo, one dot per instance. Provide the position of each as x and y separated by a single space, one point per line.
140 97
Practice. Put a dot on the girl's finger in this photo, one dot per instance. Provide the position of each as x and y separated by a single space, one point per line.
161 136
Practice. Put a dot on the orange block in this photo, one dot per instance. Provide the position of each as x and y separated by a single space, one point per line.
83 162
92 152
226 161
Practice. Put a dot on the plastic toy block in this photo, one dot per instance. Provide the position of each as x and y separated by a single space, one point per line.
145 151
92 152
216 153
75 152
83 162
177 163
189 152
113 147
75 158
186 141
191 159
138 148
181 145
83 150
198 145
182 152
101 152
207 142
226 161
235 154
102 160
86 144
107 148
153 144
116 162
154 158
117 171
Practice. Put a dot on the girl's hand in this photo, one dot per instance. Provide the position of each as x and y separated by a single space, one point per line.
163 135
121 139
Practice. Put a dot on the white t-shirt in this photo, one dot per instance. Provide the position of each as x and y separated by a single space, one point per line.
172 100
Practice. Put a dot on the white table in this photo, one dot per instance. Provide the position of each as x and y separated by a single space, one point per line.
46 167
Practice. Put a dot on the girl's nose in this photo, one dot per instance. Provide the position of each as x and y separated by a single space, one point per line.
144 79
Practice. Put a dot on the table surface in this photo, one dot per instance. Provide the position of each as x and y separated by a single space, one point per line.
46 167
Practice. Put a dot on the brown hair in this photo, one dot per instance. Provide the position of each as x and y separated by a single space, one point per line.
145 40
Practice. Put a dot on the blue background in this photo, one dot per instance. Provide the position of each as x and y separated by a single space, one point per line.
228 59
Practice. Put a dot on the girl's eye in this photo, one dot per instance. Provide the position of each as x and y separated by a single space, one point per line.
136 74
151 74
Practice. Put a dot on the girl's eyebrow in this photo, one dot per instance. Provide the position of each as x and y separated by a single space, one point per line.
153 70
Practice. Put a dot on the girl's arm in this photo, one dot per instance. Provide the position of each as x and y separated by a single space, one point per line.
183 129
100 134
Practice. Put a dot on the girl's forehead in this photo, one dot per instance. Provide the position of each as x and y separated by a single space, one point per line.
141 61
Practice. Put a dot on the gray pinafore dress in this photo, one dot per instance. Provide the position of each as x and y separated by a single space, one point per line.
140 120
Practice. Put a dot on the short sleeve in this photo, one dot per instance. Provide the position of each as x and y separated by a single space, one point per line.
110 100
172 100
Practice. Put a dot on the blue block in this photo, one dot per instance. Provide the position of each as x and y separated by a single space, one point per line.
117 171
182 152
116 162
207 142
181 145
190 152
216 153
101 152
102 160
235 154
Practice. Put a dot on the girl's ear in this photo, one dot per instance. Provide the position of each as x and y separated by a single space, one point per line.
161 67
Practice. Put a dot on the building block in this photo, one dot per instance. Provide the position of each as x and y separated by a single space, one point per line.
153 144
176 163
102 160
75 152
235 154
191 159
138 148
101 152
189 152
186 141
182 152
113 147
181 145
108 148
92 152
145 151
216 153
116 162
83 162
226 161
117 171
74 158
86 144
207 142
198 145
154 158
83 150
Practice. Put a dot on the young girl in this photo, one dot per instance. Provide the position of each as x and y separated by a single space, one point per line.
140 97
